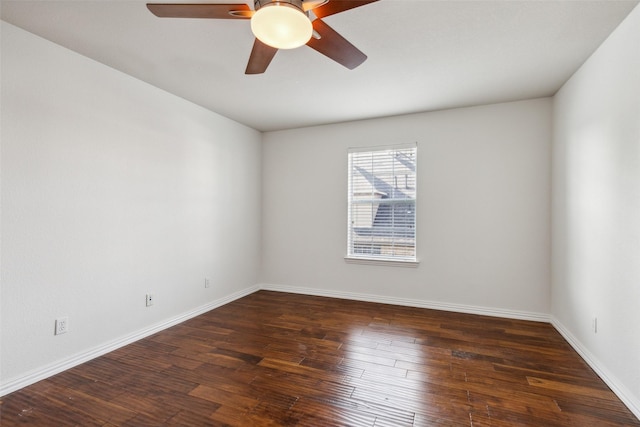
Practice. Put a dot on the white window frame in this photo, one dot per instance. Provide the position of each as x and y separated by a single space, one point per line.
376 195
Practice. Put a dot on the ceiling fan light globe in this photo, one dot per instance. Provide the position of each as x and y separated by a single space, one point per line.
281 25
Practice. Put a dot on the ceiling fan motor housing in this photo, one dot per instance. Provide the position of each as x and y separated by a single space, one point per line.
261 3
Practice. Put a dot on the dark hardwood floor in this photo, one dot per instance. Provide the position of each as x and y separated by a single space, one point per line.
277 359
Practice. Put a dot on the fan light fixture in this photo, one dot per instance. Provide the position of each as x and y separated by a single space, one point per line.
281 23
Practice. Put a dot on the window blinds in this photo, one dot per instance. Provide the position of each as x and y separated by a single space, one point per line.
382 203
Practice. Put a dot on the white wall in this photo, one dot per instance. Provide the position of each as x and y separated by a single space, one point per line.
596 209
483 214
112 188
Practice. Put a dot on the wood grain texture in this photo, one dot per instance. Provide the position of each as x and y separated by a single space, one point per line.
277 359
336 6
332 45
203 11
260 58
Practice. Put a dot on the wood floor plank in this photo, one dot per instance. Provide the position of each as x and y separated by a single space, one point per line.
278 359
571 388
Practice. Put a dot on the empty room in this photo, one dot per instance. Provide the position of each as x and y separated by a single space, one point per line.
320 213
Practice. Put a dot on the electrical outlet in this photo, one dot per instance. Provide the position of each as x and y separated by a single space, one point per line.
206 282
150 299
62 325
594 325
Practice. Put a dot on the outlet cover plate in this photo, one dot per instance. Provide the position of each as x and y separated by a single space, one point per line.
62 325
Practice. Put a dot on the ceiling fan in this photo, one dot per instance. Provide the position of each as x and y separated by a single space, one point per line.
279 24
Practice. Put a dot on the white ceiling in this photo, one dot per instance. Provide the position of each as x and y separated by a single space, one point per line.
423 55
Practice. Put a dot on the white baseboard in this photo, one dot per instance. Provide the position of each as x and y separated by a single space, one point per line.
77 359
434 305
614 384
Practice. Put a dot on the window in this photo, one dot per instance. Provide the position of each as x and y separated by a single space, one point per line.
382 203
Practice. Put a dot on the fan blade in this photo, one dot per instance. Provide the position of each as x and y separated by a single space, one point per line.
337 6
334 46
211 11
261 56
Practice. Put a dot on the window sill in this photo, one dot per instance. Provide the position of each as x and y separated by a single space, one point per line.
385 262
